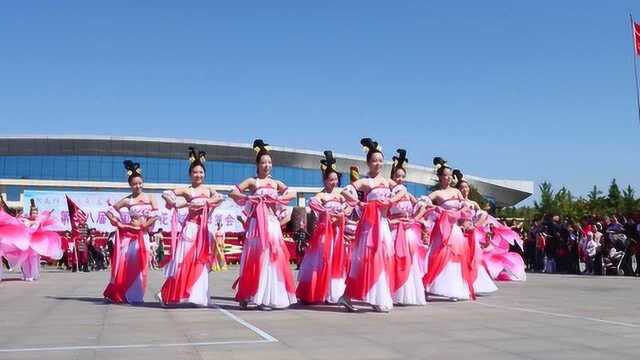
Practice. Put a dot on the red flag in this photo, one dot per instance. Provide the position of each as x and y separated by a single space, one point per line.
76 215
636 36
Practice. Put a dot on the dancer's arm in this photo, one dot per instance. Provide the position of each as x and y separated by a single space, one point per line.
153 214
350 192
114 212
398 193
215 199
284 193
237 194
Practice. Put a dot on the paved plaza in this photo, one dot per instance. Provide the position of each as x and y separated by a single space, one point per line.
63 316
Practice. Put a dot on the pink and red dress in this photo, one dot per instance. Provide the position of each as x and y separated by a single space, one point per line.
187 272
265 275
451 271
501 263
23 241
323 269
129 262
371 273
409 253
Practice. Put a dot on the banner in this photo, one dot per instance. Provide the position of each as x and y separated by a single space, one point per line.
96 204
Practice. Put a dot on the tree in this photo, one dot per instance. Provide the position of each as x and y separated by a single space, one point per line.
475 195
614 199
564 202
595 202
547 204
629 202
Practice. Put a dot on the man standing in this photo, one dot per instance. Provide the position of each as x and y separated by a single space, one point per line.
83 253
300 237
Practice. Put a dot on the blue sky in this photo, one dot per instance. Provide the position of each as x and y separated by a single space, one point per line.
538 90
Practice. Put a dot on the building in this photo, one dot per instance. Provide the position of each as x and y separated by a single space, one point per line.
94 163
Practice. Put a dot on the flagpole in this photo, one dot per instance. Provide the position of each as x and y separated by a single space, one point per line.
635 64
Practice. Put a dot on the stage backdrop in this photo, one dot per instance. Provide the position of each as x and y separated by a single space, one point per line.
96 204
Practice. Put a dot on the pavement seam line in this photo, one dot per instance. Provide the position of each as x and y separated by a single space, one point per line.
566 316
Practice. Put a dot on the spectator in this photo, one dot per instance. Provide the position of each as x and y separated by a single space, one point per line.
300 236
83 253
530 245
573 260
64 260
541 245
589 250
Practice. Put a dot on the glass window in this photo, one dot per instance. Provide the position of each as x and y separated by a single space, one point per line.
23 167
13 193
106 168
94 168
35 168
11 166
83 169
163 171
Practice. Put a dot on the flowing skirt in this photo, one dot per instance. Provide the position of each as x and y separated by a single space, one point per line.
450 267
265 275
129 268
371 271
187 278
319 279
504 265
409 258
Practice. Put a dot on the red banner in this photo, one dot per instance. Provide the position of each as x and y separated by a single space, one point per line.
636 36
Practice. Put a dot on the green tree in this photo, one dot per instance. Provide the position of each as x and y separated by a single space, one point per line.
629 201
474 195
614 199
595 202
547 204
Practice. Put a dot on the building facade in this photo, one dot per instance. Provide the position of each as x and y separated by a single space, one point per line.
94 163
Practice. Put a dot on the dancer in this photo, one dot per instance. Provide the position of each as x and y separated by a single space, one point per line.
14 235
265 276
496 238
323 269
371 272
450 271
129 266
187 273
482 284
409 251
39 240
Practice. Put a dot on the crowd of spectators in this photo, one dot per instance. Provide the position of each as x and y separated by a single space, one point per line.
593 245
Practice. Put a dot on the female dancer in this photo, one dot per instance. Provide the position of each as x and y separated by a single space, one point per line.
323 269
495 256
410 253
482 284
265 276
450 270
371 272
41 240
187 273
130 257
14 236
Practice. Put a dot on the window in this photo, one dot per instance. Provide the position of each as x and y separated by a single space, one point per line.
94 168
163 170
11 166
83 168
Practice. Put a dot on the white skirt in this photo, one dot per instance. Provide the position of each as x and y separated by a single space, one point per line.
199 292
483 283
450 283
412 292
380 292
272 290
